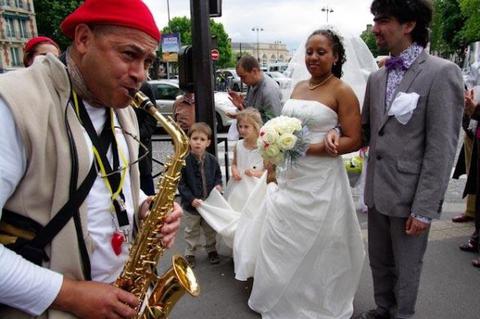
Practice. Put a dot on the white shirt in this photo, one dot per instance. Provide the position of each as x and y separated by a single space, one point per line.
31 288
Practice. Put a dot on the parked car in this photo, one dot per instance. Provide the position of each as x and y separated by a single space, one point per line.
282 80
167 91
228 79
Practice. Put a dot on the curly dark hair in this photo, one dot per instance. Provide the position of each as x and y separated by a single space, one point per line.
419 11
337 48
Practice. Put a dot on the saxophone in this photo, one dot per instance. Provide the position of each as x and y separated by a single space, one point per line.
138 275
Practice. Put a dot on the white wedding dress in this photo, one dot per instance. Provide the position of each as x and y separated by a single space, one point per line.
300 240
310 253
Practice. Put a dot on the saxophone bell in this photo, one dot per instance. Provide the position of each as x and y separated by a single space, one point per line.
170 287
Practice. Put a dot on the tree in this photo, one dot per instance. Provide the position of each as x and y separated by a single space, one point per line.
49 15
183 26
452 25
471 11
438 45
369 38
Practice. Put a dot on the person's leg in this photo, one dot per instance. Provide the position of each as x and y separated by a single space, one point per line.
468 146
382 262
191 233
408 253
210 236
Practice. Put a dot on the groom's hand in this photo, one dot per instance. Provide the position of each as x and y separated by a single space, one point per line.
331 142
414 227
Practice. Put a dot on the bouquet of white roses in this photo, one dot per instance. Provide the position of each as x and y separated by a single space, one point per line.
282 140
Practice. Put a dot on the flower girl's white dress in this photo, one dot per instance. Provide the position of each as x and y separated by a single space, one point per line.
308 251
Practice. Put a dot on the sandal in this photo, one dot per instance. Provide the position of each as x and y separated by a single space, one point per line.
470 246
476 263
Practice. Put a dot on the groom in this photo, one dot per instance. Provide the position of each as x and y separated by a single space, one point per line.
411 121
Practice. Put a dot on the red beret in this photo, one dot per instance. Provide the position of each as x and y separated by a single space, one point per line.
38 40
127 13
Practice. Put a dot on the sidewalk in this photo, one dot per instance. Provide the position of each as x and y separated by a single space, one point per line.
449 289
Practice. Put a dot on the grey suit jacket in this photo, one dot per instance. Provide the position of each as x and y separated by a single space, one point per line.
409 165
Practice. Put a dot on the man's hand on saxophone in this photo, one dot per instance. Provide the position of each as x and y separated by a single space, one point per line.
172 221
90 299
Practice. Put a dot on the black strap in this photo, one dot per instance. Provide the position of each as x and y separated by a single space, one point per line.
102 143
33 250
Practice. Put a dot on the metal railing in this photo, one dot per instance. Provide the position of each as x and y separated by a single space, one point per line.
221 138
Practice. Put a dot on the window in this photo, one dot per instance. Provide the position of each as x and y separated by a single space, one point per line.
10 27
15 56
167 92
23 29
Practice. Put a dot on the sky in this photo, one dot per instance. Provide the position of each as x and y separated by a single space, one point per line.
288 21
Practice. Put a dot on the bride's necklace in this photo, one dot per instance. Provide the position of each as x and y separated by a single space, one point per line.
314 86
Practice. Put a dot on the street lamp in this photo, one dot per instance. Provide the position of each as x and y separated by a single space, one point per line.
168 11
277 43
327 9
257 29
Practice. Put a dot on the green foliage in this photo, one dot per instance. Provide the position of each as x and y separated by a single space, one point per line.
183 26
369 38
49 15
471 11
438 44
452 24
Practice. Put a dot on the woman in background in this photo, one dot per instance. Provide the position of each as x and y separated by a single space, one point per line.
39 46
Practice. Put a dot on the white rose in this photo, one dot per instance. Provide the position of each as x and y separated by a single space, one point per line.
284 128
268 135
296 124
287 141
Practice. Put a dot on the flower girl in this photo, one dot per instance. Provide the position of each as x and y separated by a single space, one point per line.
247 165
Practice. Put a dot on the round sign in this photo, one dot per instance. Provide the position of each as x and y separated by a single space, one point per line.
215 54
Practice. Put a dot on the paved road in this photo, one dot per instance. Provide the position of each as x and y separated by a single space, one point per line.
449 287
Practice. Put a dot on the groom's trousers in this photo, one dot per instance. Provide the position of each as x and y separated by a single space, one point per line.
396 261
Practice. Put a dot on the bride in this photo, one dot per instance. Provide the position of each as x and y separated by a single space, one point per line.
301 240
310 250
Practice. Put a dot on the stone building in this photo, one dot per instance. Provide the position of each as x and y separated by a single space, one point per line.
267 53
17 25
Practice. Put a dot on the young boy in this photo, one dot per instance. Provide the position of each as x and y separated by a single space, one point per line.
199 176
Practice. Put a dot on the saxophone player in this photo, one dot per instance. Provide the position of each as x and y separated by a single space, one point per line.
69 181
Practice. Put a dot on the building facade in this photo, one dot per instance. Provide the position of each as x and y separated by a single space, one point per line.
17 25
266 53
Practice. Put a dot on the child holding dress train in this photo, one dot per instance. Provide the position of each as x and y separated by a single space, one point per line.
247 160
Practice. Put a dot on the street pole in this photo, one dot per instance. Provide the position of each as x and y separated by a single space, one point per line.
257 29
276 49
202 68
168 11
327 10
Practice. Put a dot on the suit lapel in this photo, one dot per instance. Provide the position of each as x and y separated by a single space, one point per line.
405 84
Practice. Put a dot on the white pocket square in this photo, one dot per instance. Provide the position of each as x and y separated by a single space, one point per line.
403 106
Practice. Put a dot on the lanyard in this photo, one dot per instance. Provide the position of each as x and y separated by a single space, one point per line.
114 180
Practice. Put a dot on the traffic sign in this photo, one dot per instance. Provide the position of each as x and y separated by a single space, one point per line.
215 54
